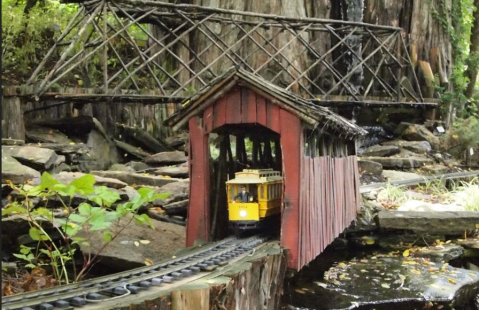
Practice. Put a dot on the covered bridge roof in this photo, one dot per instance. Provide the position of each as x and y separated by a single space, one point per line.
311 114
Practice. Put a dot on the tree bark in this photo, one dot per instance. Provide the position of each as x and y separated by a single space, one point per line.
473 69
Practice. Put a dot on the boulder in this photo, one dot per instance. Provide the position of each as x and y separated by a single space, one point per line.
178 191
35 157
6 141
392 175
14 171
400 162
382 151
415 132
45 134
174 172
130 250
423 206
176 208
66 177
419 147
369 167
120 167
78 126
136 178
103 151
440 253
435 169
167 158
138 165
429 222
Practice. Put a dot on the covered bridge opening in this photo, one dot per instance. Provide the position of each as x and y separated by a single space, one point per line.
234 147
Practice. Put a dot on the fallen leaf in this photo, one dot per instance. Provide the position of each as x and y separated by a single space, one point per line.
145 241
405 253
148 262
451 281
137 243
385 285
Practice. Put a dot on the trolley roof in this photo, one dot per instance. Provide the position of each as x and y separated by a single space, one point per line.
255 176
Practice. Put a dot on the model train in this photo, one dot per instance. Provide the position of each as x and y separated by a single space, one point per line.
264 193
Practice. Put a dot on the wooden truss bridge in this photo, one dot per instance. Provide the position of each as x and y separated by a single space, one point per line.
185 47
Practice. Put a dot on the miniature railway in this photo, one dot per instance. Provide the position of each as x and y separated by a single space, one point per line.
98 291
447 176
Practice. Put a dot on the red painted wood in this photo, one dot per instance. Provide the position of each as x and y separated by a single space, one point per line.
208 116
219 110
291 130
272 113
245 102
233 106
198 224
261 110
250 107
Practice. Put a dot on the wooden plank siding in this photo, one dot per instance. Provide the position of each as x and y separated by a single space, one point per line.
199 202
329 202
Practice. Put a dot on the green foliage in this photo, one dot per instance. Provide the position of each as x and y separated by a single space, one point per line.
457 23
87 219
467 194
27 38
463 135
392 195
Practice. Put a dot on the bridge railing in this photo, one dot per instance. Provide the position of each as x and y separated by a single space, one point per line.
184 47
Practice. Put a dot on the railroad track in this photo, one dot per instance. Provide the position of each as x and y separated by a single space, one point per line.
135 281
447 176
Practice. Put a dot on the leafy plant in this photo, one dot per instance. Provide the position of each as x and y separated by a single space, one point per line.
467 194
97 216
391 195
463 135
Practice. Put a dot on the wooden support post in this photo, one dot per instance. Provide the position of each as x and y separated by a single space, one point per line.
425 72
105 48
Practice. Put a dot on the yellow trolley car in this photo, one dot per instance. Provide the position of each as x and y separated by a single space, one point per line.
265 188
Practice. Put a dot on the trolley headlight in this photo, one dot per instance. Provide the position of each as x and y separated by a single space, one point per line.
243 213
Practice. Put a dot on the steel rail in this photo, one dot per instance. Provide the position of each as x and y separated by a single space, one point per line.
447 176
133 281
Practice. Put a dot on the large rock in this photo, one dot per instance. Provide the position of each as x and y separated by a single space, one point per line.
382 151
128 251
393 175
423 206
66 177
167 158
435 169
369 167
401 162
443 223
14 171
415 132
45 134
136 178
6 141
174 172
178 191
103 151
419 147
440 253
35 157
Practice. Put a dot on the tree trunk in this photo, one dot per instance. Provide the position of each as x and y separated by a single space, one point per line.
473 69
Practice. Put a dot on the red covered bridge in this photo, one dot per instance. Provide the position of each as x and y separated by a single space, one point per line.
312 147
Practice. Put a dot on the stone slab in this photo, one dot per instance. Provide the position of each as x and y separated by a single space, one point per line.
400 162
443 223
136 178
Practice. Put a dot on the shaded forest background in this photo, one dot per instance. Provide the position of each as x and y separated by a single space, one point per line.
442 33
